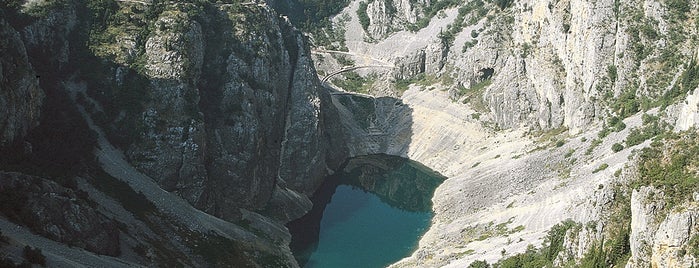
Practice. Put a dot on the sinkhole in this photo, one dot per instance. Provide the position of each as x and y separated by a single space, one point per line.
370 214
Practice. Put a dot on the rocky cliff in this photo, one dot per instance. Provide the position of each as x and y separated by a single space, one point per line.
218 103
538 112
194 130
230 105
20 95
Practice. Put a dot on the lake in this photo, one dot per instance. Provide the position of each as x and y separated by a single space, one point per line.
370 214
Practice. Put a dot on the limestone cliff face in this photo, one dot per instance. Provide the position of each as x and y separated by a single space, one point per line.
20 95
218 103
555 64
232 109
662 239
389 16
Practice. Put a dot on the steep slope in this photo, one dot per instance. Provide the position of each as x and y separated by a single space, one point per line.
197 128
533 111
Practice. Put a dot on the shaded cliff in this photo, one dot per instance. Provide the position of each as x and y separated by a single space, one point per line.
218 103
20 95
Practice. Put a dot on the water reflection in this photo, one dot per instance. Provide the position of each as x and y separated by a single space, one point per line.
400 200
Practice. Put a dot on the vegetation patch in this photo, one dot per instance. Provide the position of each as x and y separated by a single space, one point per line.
532 257
353 82
593 144
474 95
671 165
652 127
362 15
601 167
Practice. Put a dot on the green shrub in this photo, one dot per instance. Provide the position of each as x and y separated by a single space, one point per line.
353 82
430 11
612 72
652 128
593 144
569 153
694 245
601 167
532 257
616 124
617 147
362 15
479 264
689 80
671 166
503 4
469 44
626 104
560 143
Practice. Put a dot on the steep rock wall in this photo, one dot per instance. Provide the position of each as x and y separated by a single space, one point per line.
229 106
20 95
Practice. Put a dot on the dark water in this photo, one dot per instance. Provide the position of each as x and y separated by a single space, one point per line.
369 215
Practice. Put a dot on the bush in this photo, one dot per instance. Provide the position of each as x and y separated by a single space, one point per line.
626 104
652 128
694 245
612 72
34 255
362 15
601 167
671 166
503 4
560 143
479 264
617 147
553 244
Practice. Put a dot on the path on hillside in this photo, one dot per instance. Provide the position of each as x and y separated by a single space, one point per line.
368 62
352 68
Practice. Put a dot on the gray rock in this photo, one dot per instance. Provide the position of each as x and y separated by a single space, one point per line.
20 95
58 213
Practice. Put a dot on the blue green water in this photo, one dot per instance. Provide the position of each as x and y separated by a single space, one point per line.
367 216
359 230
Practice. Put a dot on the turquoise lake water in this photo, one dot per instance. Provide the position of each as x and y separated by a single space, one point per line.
371 215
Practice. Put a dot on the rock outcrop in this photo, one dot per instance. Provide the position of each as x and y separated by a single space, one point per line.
20 95
218 103
660 238
228 107
389 16
57 213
